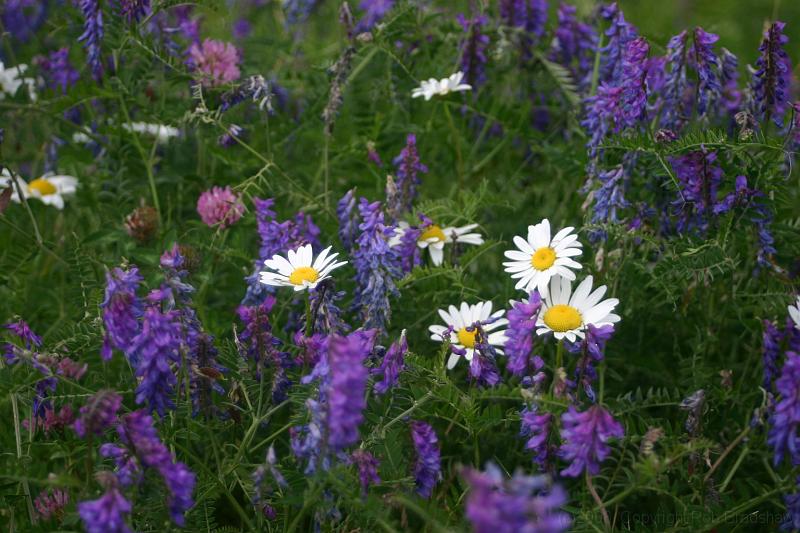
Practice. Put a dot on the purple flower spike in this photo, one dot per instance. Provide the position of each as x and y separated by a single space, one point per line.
770 85
519 335
92 35
523 503
367 469
585 437
785 418
99 413
122 310
473 49
392 365
348 380
156 349
106 514
427 467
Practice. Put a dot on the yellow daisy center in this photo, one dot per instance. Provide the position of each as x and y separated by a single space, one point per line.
562 318
44 187
433 232
302 274
543 258
467 338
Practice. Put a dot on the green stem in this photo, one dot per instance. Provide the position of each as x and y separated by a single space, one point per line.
18 441
309 316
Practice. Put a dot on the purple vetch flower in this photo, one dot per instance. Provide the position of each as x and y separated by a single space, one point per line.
729 78
242 29
791 521
609 198
771 341
59 74
673 113
50 504
92 35
298 11
530 15
473 49
530 504
137 432
367 469
122 310
156 348
107 513
348 380
231 136
618 34
785 418
220 207
327 313
255 89
374 11
391 366
700 177
407 170
133 10
23 18
427 466
377 266
604 115
483 366
707 65
769 88
99 413
586 435
634 77
51 421
590 351
574 45
263 487
535 427
519 336
408 247
348 219
256 341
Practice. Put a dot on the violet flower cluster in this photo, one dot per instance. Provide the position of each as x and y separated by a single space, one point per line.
590 352
769 88
377 266
522 503
474 49
585 438
785 418
58 72
92 35
122 310
427 466
535 427
408 167
391 366
374 11
574 45
519 336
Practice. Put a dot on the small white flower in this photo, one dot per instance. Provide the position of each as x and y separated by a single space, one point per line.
50 188
539 258
434 87
11 79
568 314
299 269
794 312
435 237
467 316
161 132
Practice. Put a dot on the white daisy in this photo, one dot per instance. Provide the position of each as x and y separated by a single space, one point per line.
11 79
50 188
435 237
467 316
539 258
434 87
299 269
794 312
567 314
